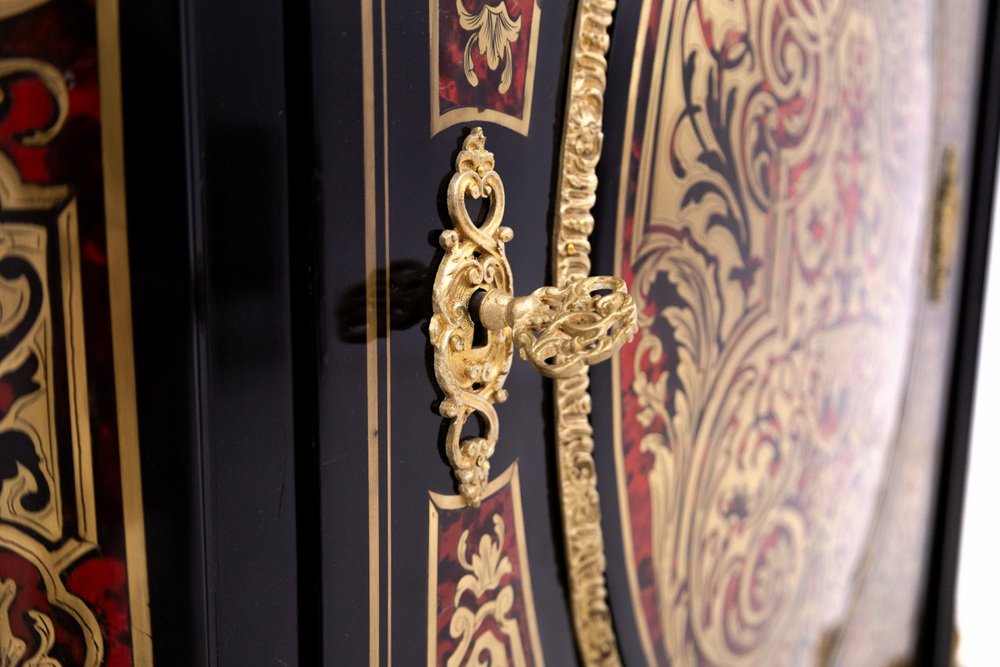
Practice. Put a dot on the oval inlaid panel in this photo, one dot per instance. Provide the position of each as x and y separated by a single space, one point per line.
775 190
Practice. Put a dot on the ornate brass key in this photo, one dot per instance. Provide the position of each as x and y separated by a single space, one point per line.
558 329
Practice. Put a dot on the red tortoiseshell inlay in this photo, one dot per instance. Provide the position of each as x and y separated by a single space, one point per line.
479 595
64 573
483 66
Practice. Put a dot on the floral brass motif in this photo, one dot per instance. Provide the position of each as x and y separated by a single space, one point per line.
560 330
485 570
480 607
494 31
769 225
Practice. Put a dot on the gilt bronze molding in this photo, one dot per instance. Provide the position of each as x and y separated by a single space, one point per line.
582 139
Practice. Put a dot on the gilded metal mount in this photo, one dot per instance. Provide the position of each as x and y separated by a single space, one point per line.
560 330
946 225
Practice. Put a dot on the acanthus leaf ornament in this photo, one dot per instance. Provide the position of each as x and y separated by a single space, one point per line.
560 330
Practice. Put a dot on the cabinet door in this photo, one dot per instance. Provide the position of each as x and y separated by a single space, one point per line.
781 185
409 573
753 479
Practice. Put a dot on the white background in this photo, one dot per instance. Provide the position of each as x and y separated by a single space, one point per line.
978 595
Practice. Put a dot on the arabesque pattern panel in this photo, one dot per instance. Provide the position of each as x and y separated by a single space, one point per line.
772 226
72 570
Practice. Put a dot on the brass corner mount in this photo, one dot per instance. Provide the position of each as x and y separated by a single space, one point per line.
560 330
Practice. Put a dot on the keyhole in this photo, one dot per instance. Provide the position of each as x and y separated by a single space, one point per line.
480 334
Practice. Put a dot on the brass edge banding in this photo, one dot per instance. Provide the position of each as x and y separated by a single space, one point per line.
577 186
432 583
113 157
69 242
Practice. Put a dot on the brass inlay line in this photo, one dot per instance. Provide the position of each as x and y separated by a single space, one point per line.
10 8
113 159
945 225
432 567
371 319
69 247
388 346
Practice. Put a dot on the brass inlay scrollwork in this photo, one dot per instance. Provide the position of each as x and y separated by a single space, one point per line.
480 607
39 249
485 570
53 81
12 648
766 223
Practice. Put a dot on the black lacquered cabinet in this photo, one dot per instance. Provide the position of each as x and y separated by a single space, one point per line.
313 441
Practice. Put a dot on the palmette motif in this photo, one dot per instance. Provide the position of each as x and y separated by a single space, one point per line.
771 232
485 570
479 606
